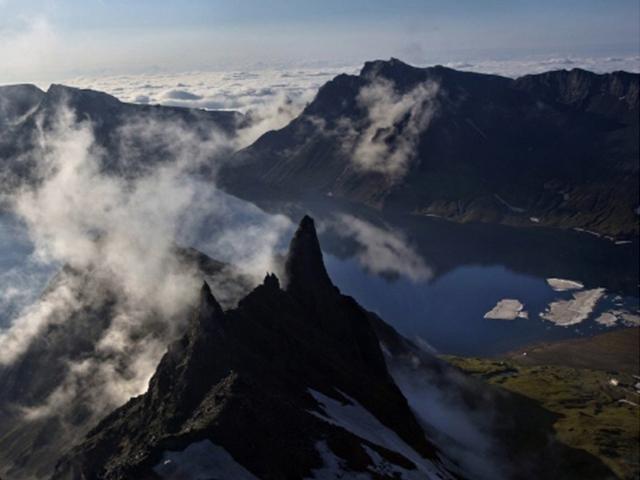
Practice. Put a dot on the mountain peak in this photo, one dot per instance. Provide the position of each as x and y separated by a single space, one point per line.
209 310
387 68
271 281
304 265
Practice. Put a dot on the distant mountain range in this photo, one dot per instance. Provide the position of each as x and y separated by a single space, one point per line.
558 149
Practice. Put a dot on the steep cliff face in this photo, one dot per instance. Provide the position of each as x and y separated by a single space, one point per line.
559 147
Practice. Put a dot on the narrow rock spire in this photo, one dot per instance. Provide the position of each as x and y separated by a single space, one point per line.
304 265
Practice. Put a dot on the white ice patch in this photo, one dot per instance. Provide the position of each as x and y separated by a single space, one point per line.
507 309
356 419
630 319
201 461
570 312
607 319
563 285
613 317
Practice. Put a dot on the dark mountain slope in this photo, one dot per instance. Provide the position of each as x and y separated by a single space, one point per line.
560 147
293 383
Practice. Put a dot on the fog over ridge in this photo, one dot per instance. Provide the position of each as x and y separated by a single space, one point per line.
117 238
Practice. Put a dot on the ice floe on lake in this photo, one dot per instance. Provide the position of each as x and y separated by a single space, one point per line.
613 317
563 285
201 460
570 312
507 309
607 319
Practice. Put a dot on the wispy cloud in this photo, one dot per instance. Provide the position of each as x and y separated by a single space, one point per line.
118 236
395 122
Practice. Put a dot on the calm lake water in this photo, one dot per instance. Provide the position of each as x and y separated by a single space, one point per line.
448 312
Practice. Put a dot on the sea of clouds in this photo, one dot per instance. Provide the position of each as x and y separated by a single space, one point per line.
253 89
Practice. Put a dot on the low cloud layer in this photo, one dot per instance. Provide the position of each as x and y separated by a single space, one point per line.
272 98
517 67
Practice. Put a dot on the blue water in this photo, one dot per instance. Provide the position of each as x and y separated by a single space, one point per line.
447 312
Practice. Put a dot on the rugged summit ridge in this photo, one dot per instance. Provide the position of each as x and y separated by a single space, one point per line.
266 382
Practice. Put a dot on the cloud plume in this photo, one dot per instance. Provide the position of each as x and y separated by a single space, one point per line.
395 122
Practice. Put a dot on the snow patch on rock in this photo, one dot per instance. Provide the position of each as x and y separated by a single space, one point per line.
356 419
507 309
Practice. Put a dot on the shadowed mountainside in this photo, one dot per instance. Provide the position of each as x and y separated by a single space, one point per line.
557 149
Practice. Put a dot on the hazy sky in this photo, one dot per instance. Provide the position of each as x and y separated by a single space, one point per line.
57 39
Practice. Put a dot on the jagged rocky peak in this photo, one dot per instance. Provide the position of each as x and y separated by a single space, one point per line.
208 309
271 281
304 265
275 384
